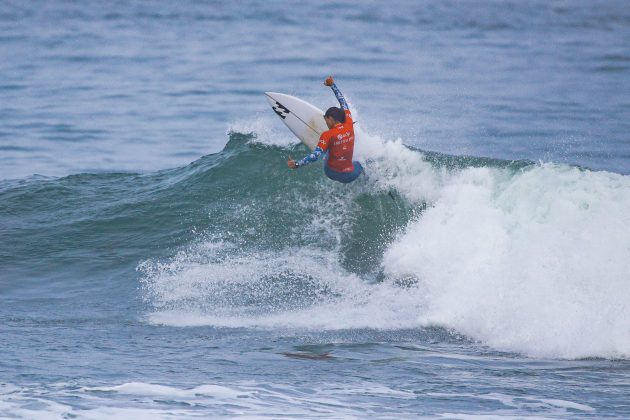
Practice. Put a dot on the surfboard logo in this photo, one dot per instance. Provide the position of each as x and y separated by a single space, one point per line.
280 110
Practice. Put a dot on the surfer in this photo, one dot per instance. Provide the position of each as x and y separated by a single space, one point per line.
338 141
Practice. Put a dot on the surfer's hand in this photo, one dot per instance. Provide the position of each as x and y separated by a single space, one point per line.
329 81
291 164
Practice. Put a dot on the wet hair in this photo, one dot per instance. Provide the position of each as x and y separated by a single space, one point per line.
336 113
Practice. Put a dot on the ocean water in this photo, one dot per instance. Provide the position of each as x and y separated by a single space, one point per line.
158 259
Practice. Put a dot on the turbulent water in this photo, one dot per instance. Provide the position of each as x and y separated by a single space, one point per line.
154 266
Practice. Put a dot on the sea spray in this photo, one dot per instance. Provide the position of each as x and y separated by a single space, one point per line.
536 262
532 258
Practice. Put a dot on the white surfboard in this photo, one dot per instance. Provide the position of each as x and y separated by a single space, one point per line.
303 119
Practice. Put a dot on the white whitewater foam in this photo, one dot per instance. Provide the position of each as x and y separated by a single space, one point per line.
140 400
537 262
193 294
522 403
154 390
355 398
390 165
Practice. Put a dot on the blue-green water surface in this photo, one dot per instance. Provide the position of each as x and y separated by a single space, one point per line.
159 260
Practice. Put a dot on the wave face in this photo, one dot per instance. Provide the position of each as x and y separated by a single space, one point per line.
524 257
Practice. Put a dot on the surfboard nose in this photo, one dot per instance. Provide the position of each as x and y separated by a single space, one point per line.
270 98
275 98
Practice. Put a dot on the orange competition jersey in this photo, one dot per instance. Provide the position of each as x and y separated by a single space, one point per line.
339 142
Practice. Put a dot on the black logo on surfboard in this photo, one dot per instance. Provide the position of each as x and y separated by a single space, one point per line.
281 110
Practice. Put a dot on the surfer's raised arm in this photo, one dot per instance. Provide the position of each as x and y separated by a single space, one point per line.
342 101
